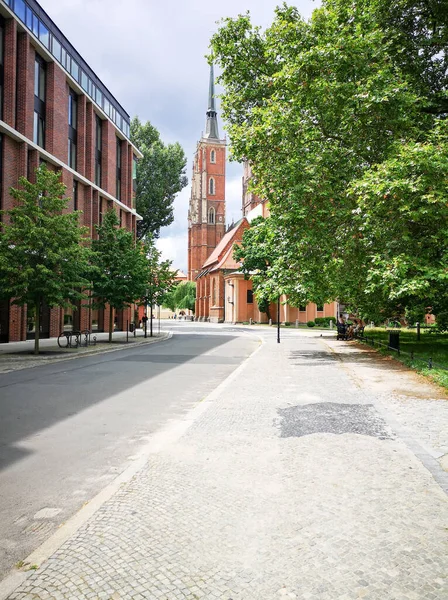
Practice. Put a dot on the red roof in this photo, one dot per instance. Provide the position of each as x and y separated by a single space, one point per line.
223 246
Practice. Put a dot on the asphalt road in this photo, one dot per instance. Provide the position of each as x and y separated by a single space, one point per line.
68 429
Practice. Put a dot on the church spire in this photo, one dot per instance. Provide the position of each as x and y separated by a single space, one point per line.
211 127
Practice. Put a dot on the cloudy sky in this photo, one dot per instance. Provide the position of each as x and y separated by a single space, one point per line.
150 54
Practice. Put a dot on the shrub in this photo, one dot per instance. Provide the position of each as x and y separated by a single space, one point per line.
324 321
287 324
311 324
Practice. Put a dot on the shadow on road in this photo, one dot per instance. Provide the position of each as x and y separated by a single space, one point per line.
34 399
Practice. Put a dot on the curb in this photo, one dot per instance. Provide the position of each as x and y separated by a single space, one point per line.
162 439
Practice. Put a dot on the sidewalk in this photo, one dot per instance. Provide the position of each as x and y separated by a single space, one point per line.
289 481
19 355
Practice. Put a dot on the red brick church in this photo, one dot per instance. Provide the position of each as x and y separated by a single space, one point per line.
222 293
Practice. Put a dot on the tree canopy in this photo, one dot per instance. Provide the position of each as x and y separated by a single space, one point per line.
44 254
183 295
120 267
342 118
160 279
160 176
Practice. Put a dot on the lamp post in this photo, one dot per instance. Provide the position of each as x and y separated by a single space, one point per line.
278 321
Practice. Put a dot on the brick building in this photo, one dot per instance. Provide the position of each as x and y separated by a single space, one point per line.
207 211
222 293
54 109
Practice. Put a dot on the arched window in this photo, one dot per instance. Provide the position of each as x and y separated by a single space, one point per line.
211 216
211 186
212 156
214 292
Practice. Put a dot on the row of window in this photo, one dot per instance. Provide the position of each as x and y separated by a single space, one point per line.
39 128
62 55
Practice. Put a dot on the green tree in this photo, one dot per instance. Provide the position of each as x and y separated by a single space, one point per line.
322 109
183 295
160 176
160 278
121 268
44 253
258 253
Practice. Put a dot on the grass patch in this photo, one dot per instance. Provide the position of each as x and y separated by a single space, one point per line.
430 346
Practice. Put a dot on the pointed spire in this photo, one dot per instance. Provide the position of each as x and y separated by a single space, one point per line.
211 127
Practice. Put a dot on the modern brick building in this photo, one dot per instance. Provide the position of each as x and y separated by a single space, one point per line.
54 109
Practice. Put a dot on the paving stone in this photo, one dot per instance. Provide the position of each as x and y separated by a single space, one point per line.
339 508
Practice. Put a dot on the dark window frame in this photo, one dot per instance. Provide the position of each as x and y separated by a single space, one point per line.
98 149
40 85
119 159
72 129
249 297
2 64
75 195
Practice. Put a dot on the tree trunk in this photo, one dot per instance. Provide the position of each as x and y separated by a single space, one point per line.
111 323
36 337
150 321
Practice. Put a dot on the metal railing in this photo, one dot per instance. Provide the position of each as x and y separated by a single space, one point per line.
374 342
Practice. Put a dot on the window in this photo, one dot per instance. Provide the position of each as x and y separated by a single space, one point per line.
134 173
39 101
19 9
2 46
74 69
250 297
320 308
44 35
75 195
212 156
211 186
118 178
211 216
56 49
84 81
98 147
302 308
72 128
1 171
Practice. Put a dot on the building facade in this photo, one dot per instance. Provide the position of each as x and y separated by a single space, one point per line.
207 210
55 110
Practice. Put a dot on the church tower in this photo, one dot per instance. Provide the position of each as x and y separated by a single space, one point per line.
207 211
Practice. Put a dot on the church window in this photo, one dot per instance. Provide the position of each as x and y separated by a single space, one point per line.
211 216
211 186
212 156
214 292
250 297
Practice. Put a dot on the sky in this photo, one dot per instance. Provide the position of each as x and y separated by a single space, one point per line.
151 56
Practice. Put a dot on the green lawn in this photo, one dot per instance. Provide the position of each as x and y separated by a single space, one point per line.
431 345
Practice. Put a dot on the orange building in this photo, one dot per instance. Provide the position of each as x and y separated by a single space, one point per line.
207 210
222 293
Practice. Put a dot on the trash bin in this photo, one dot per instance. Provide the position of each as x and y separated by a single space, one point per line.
131 327
394 340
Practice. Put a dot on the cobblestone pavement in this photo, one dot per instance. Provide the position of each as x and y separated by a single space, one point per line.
269 494
419 407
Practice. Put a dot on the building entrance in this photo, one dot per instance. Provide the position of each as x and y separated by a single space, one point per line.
44 322
4 321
